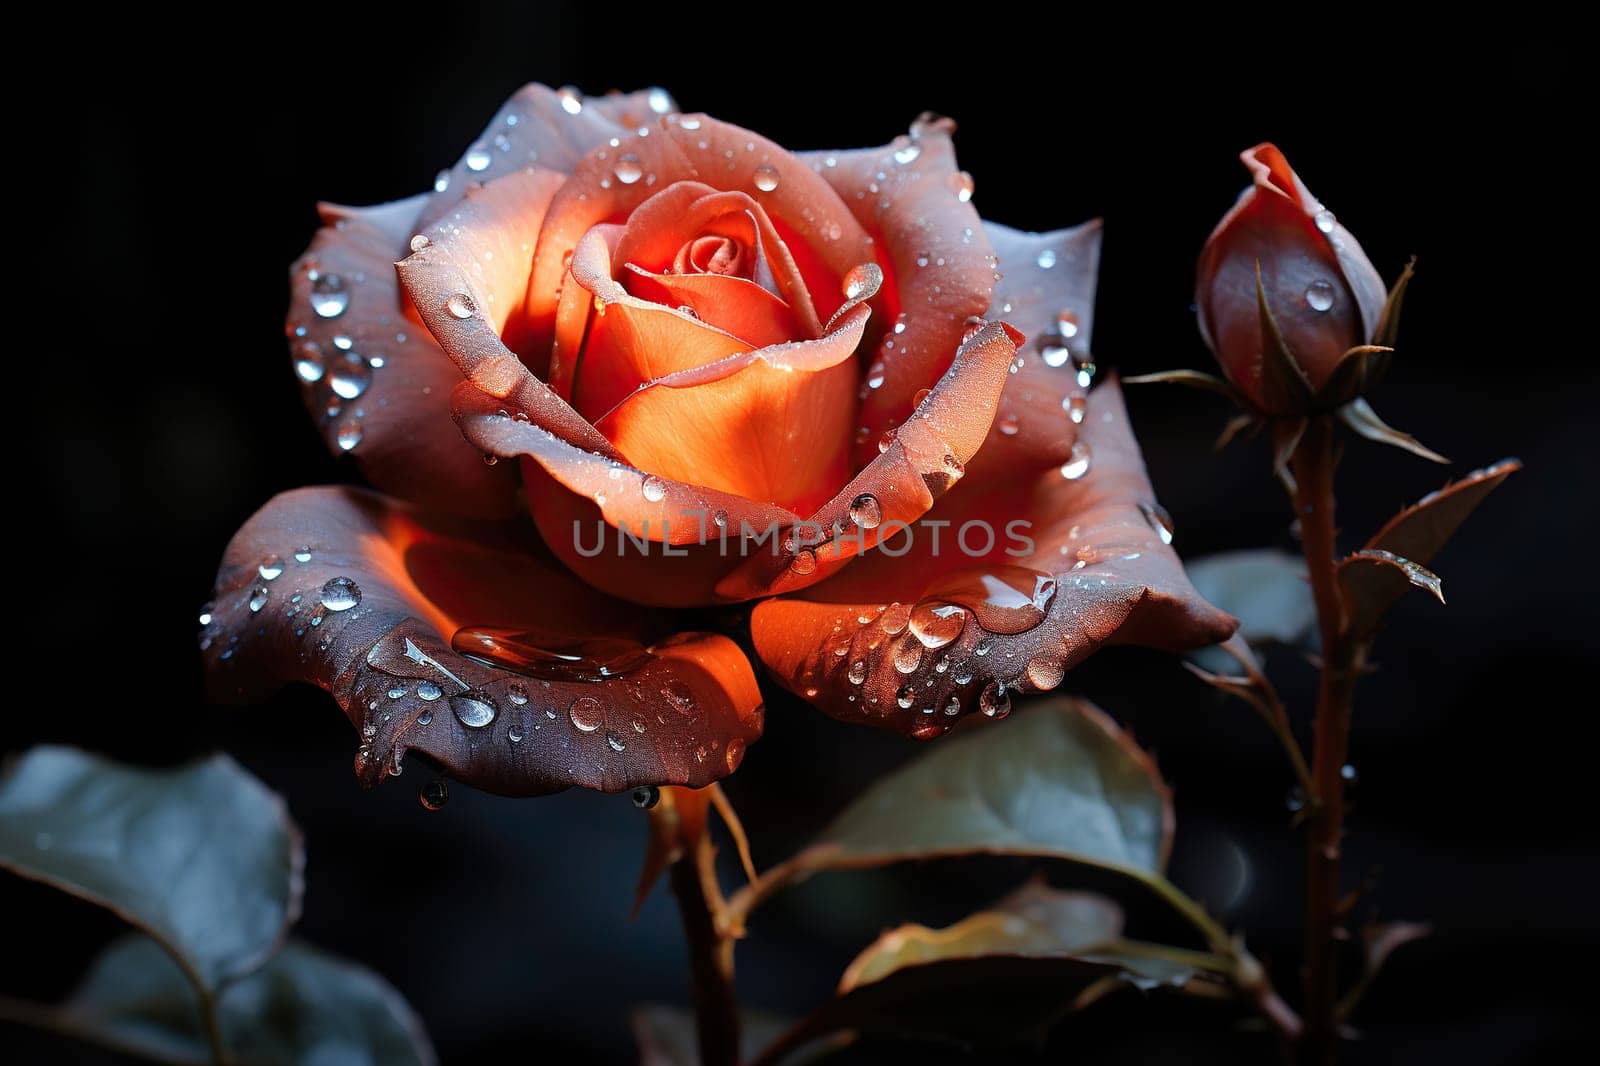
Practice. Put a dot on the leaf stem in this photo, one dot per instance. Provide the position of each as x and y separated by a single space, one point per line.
710 954
1313 465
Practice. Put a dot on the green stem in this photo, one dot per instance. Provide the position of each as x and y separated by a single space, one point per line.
1313 465
710 957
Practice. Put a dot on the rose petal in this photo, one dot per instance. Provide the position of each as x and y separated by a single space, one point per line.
361 595
1047 293
810 222
908 196
464 299
769 424
731 304
915 467
553 128
580 500
1098 536
377 384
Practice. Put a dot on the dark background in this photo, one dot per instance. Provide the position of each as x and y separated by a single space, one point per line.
160 412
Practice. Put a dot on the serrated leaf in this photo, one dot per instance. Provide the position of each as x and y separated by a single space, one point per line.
1360 417
1058 779
1265 589
303 1006
204 857
1371 581
1418 532
1004 975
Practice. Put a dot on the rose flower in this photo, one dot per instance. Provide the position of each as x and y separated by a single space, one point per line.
632 364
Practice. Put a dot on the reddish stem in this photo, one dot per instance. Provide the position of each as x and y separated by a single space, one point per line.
1313 466
710 956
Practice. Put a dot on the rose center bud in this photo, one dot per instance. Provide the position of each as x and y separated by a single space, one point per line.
713 253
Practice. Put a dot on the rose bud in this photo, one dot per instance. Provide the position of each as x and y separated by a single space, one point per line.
1287 301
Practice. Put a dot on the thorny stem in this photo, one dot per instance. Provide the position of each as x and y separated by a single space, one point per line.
716 1010
1313 465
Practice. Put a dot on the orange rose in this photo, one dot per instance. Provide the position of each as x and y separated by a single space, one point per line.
729 373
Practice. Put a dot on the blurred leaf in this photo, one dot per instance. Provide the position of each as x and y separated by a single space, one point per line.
203 858
1359 416
1418 532
304 1006
666 1035
1003 975
1058 779
1379 941
1370 582
1265 589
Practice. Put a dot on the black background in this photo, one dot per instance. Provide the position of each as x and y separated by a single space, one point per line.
158 412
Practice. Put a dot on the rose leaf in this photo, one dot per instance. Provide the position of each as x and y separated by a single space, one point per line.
202 857
303 1006
1265 589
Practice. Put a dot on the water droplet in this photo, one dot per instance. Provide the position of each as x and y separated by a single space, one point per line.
1296 799
396 691
645 797
1004 599
460 305
571 99
1047 259
473 709
435 794
586 713
1067 324
908 655
734 754
654 488
862 279
1085 370
628 169
982 648
349 376
906 696
550 657
340 594
514 733
1325 220
1077 463
895 618
865 511
885 441
994 700
271 568
659 100
615 743
419 242
963 185
428 691
858 672
721 519
689 122
952 706
804 562
1045 673
1349 774
766 177
1009 425
207 613
936 623
348 434
478 158
908 154
258 598
1319 296
1077 408
302 554
441 181
329 299
308 366
1159 520
517 694
1053 349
